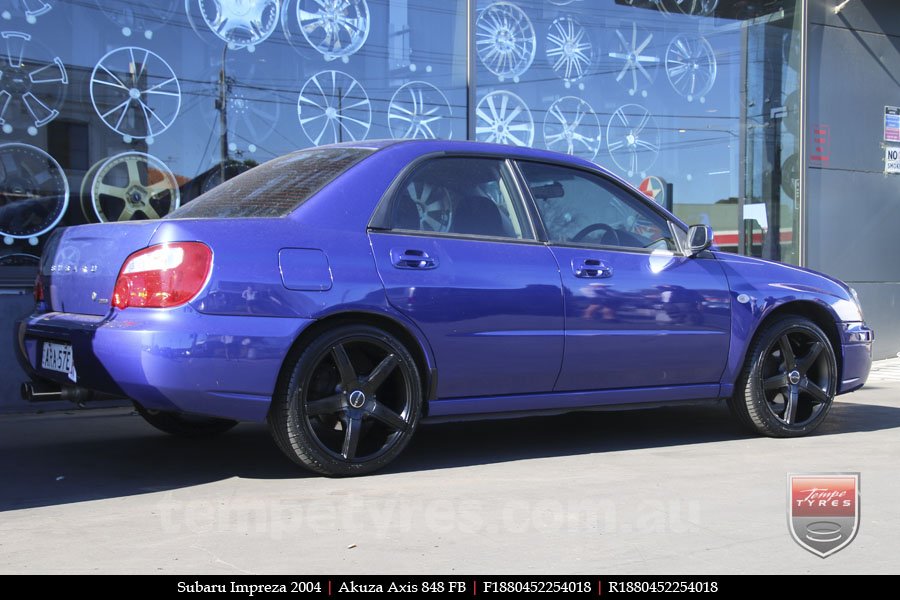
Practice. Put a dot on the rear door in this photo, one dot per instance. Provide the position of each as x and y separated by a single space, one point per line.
458 256
638 312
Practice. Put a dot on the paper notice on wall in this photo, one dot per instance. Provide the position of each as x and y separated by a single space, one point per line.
892 123
892 159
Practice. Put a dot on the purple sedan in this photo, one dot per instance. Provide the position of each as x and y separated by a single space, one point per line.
347 293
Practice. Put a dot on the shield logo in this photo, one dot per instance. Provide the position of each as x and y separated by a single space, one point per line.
823 514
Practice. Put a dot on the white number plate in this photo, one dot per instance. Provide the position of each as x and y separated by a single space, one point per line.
57 357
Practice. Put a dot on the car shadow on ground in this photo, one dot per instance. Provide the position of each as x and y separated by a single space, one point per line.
55 459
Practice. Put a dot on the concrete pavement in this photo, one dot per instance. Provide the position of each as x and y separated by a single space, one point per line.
679 490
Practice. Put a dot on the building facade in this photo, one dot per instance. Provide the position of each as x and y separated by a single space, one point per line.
762 118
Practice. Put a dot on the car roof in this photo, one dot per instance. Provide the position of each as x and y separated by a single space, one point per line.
427 146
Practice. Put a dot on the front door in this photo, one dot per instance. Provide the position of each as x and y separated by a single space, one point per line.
638 312
458 256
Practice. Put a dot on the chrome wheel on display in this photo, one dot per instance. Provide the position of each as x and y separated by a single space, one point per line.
433 204
505 40
136 93
688 7
214 177
239 23
34 192
419 110
143 18
334 107
352 402
32 9
253 112
133 186
638 65
33 84
569 50
789 380
504 118
334 28
572 126
691 66
632 139
19 259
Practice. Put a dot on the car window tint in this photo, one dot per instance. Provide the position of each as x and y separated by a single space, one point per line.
468 196
583 208
275 188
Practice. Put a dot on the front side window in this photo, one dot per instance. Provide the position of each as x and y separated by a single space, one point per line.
465 196
578 207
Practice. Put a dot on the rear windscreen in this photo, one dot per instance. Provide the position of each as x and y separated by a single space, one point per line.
275 188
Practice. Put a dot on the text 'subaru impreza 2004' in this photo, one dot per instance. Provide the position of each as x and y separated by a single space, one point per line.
347 293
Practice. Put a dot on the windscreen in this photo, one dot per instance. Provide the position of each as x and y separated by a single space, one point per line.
275 188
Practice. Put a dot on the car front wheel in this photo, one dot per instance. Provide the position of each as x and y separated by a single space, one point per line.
351 404
789 380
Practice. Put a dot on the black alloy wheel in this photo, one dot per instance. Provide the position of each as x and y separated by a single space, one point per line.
789 380
352 402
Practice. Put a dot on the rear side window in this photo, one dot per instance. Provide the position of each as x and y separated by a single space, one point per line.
275 188
460 195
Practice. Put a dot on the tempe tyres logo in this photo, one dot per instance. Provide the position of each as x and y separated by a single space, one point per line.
823 515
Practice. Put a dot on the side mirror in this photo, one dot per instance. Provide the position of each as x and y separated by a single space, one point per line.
700 237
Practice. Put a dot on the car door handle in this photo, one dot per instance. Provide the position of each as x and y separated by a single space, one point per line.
412 259
591 268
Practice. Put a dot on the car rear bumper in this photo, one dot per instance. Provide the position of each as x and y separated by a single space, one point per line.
172 360
856 351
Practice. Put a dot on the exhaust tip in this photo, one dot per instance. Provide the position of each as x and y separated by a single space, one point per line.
40 391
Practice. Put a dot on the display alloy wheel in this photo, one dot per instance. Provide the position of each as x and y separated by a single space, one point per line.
239 23
569 50
184 425
350 402
433 204
33 83
691 66
32 9
133 186
419 110
34 192
687 7
335 28
504 118
633 139
505 40
572 126
135 92
635 52
334 107
789 380
144 18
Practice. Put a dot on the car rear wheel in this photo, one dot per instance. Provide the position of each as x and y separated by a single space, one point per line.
182 425
351 404
789 380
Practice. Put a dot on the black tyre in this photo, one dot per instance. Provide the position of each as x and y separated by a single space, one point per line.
789 380
351 404
182 425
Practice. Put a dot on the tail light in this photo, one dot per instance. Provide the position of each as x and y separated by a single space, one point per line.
38 289
163 276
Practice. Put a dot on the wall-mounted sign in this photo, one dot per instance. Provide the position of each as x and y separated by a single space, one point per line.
655 189
892 123
892 159
821 143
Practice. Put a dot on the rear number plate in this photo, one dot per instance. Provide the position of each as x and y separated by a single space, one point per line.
57 357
